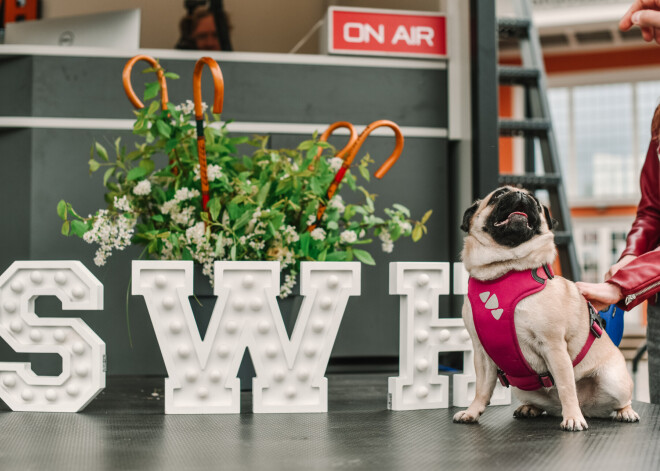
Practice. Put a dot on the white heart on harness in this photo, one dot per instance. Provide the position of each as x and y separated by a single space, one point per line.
484 296
497 313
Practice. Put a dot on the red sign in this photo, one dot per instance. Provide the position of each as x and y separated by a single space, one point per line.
386 32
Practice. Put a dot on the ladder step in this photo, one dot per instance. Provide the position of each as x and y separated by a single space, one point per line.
531 181
563 238
517 75
526 127
513 28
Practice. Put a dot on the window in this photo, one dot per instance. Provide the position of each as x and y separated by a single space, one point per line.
602 134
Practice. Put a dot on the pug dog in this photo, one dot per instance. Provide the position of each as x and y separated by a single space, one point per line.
509 230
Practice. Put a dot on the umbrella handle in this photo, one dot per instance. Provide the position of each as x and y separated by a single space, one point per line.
218 97
351 140
128 88
394 156
348 159
218 86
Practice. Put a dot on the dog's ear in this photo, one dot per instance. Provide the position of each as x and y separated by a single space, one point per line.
467 216
551 222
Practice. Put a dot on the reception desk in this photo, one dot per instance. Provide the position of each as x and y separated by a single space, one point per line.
57 101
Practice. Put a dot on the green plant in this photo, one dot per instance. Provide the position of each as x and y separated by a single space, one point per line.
260 204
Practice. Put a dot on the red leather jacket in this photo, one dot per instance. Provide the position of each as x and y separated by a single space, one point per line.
640 279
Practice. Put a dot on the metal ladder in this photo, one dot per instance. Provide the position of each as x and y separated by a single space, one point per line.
536 125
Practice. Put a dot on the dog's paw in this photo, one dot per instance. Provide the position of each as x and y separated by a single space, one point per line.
464 417
627 414
574 424
527 410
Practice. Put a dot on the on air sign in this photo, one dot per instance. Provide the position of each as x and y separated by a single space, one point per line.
386 32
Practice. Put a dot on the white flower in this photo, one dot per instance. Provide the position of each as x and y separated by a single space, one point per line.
335 163
287 287
189 107
185 217
337 202
311 219
405 226
196 234
122 204
143 188
348 237
168 207
213 172
387 244
183 194
318 234
290 234
109 233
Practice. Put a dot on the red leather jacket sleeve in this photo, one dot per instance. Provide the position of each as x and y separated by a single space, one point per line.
639 280
645 232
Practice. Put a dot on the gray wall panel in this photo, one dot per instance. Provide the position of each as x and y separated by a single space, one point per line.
288 93
16 86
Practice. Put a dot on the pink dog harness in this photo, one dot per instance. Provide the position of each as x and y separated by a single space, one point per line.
493 307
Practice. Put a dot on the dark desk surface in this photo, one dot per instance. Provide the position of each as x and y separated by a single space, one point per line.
125 429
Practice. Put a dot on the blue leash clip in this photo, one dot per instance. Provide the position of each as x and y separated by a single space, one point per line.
613 323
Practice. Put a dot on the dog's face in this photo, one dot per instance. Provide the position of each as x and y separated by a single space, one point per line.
510 216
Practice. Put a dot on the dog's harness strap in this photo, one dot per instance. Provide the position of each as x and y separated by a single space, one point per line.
493 305
595 332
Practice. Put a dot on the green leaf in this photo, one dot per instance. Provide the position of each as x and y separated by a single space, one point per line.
158 218
107 175
214 207
117 141
148 165
336 257
100 150
151 90
263 194
61 210
78 228
426 216
93 165
305 240
171 75
316 187
417 233
242 220
164 129
402 209
364 171
136 173
364 256
66 228
153 106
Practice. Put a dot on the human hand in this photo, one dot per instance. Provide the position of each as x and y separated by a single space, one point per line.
619 265
646 15
600 295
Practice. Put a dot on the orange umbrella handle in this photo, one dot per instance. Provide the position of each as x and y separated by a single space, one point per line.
128 88
391 160
348 159
219 90
351 140
218 86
